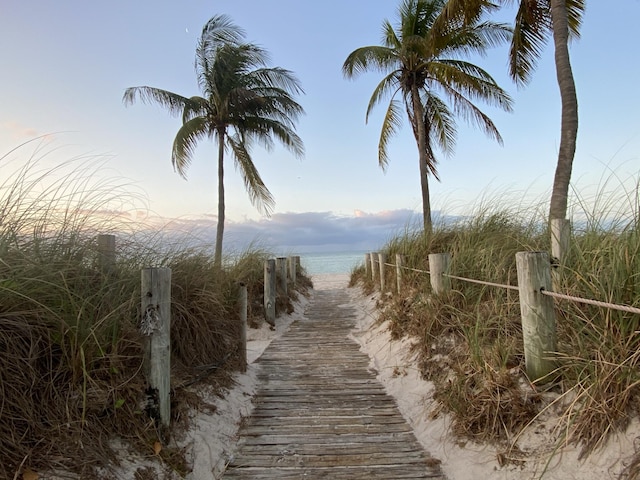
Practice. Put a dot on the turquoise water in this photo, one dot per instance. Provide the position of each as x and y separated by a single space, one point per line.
331 263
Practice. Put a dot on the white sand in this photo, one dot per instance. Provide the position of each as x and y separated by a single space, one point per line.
465 460
210 442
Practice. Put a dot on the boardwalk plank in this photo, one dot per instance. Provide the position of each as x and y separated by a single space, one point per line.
320 412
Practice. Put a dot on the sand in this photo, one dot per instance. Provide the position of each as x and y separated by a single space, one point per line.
210 443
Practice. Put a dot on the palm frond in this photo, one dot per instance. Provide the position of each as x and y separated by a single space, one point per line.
464 108
390 125
471 80
171 101
472 39
388 86
530 34
575 12
185 143
259 194
374 58
441 122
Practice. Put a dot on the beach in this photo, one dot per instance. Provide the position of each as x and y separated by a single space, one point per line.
210 443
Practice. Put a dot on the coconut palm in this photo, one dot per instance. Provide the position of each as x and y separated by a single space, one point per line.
420 59
243 102
535 22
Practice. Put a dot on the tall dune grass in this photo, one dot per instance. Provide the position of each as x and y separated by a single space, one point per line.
70 349
470 340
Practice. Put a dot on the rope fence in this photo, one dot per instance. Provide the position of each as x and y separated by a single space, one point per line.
597 303
535 292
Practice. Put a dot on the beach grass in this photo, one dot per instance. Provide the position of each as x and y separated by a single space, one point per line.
71 353
470 341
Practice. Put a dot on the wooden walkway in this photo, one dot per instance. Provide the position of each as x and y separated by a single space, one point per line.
321 413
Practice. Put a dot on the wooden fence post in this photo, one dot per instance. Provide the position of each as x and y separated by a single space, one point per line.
560 234
538 316
270 291
281 269
438 266
399 265
293 271
367 265
156 326
382 259
374 267
107 253
243 326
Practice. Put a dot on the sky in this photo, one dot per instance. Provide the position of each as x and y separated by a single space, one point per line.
66 64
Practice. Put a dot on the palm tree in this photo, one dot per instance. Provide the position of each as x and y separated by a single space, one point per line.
243 102
419 62
535 21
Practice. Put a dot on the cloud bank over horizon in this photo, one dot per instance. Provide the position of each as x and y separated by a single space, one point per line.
308 232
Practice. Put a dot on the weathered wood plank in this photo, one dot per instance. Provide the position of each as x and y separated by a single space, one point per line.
320 412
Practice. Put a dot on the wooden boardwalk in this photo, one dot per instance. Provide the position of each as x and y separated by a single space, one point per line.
321 413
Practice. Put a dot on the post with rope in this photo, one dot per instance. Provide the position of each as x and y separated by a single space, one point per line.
438 269
270 291
367 265
538 316
399 265
243 303
155 325
382 259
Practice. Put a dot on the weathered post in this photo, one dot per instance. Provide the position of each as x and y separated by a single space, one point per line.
538 316
399 265
270 291
438 267
243 326
281 269
293 271
367 265
374 267
106 253
560 233
156 326
382 259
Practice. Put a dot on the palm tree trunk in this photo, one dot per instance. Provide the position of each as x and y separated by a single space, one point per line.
217 259
569 125
418 113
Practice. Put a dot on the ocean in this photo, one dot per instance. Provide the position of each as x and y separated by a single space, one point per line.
331 263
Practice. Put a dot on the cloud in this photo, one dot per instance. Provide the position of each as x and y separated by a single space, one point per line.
302 232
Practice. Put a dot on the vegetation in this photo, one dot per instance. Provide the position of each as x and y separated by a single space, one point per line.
71 351
421 62
470 340
244 102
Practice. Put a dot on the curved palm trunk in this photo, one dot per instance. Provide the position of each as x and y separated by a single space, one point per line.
569 125
217 259
421 129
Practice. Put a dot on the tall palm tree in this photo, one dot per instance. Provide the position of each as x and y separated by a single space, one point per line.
243 102
535 22
420 60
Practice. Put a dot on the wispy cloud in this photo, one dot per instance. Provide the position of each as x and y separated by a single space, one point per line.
18 131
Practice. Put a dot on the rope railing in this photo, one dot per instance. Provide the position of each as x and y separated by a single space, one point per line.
408 268
535 293
597 303
482 282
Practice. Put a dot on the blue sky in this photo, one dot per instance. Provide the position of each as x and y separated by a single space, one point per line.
67 63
